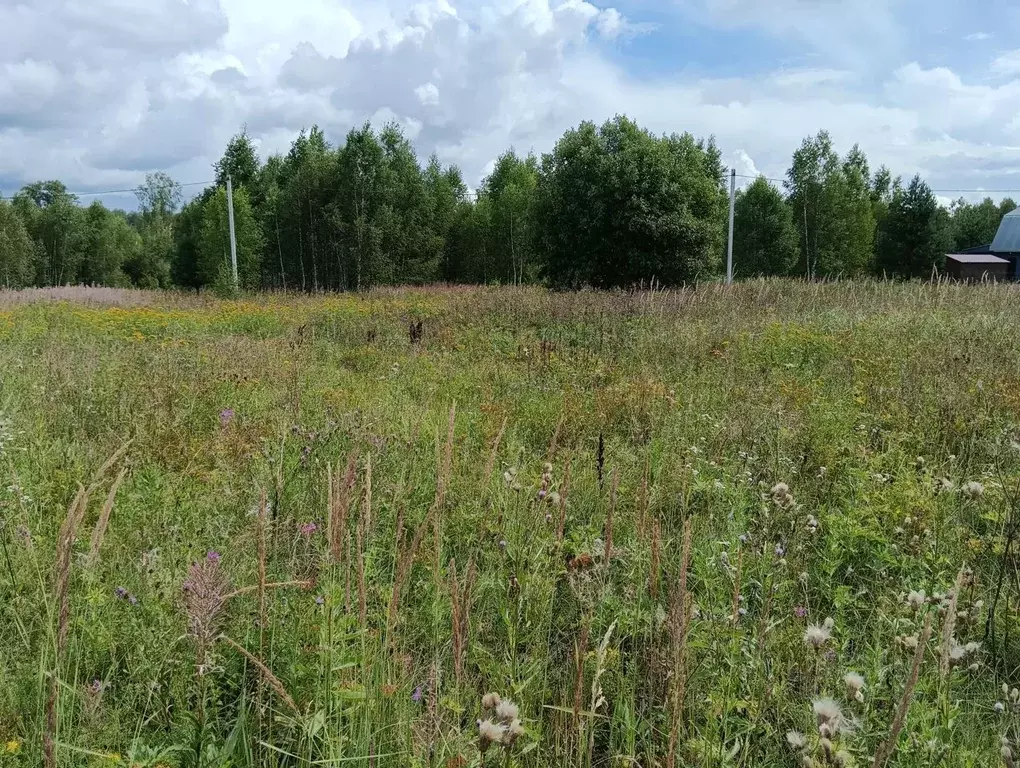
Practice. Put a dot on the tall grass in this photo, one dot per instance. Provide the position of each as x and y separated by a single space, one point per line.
316 558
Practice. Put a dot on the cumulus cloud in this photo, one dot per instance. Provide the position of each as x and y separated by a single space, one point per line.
162 85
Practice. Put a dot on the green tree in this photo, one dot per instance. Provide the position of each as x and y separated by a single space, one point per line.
109 243
158 200
54 221
617 205
764 235
511 192
833 209
915 234
240 161
17 251
213 257
976 224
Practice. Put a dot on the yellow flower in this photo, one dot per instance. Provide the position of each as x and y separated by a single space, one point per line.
113 757
13 746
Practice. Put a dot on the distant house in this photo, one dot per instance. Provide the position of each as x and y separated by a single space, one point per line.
977 266
999 260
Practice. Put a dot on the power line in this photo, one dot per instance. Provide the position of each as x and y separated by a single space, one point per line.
134 189
981 191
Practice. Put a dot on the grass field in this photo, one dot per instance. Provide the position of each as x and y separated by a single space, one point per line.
675 529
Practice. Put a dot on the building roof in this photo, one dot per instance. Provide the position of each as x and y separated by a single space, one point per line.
975 258
1007 239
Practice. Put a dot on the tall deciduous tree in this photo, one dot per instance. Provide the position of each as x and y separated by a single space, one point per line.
618 205
108 244
213 258
915 233
53 219
158 200
833 209
976 224
240 161
17 251
765 238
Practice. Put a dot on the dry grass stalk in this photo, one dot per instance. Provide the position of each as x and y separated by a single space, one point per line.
642 516
550 455
653 576
949 627
564 490
266 672
614 486
679 625
206 592
580 652
103 521
339 507
737 576
267 586
460 609
490 463
366 498
887 748
362 590
405 558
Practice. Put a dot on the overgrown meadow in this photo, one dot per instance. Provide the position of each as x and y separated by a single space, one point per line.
767 525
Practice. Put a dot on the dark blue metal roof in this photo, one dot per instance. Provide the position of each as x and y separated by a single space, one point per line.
1007 239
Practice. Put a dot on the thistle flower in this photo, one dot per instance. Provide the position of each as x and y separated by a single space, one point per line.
490 701
854 683
506 711
909 642
795 739
827 712
800 611
489 733
816 636
915 598
842 758
513 731
1000 707
973 490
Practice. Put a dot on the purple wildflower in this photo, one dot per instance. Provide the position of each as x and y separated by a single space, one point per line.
541 494
502 544
830 656
800 611
133 600
226 416
121 593
416 695
308 529
320 600
779 550
213 556
97 686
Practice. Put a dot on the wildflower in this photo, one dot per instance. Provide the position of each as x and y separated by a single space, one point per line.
308 529
828 623
779 550
121 593
973 489
213 556
132 599
817 635
1000 707
909 642
800 611
828 713
744 538
226 416
513 732
12 746
320 600
506 711
781 496
489 733
553 498
416 694
854 682
915 599
795 739
842 758
742 611
490 701
502 544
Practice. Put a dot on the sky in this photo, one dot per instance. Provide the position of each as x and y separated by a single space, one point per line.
97 93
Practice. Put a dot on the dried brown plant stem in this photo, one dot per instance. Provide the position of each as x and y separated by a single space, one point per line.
268 586
339 506
460 610
564 490
103 521
550 455
613 488
266 672
642 516
679 628
580 652
949 627
654 566
887 747
490 463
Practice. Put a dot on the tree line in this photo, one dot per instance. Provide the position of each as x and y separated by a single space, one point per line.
610 205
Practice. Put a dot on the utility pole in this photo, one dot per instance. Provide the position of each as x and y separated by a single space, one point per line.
233 241
729 244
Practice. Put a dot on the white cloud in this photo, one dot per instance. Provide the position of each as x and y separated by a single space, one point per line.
975 37
163 85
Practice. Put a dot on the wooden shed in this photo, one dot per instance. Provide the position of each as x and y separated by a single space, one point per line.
977 266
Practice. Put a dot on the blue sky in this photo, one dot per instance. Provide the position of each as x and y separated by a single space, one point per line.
99 93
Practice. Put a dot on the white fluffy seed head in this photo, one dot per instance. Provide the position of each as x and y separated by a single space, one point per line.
795 739
506 711
815 636
490 700
828 712
489 733
915 598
